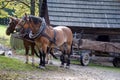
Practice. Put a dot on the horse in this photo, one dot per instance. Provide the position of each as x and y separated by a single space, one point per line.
28 43
46 36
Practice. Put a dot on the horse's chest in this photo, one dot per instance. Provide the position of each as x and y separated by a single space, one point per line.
41 41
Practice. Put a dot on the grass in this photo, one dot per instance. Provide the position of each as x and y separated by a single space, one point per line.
13 69
11 64
4 39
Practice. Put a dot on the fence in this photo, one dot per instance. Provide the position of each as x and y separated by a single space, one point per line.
16 43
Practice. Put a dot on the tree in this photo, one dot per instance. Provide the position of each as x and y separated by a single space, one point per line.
32 10
2 6
18 7
40 6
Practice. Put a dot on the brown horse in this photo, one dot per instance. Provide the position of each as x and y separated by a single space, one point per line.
46 36
27 43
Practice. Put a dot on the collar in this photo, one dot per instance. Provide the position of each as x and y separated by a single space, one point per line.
40 31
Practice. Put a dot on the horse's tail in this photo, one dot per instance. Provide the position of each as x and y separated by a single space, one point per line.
49 51
53 55
71 51
36 53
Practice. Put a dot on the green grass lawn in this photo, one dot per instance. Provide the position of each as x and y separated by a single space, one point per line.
11 64
4 39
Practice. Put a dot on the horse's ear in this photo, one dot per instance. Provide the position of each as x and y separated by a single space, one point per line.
26 16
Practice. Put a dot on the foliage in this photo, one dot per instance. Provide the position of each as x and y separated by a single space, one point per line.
17 7
2 5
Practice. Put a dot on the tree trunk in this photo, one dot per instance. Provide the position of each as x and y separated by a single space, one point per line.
40 7
32 9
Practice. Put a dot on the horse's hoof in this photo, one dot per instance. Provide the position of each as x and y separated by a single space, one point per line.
51 63
26 62
42 67
62 66
67 67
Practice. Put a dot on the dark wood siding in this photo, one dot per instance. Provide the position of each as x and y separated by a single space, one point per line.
85 13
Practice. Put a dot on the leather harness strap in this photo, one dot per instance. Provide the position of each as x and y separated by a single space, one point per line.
52 40
41 32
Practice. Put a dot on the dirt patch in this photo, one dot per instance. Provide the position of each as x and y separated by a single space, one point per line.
76 72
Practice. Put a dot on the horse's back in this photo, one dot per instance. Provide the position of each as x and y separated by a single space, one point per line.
66 32
63 28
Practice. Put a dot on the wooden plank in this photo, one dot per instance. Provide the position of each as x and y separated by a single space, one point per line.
100 46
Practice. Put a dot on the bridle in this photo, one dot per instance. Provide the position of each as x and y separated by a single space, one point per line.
41 31
12 23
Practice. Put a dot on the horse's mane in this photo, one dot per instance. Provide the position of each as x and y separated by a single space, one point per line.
35 19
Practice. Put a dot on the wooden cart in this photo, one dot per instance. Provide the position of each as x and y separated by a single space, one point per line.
111 49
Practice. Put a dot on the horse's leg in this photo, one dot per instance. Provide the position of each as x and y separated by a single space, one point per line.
32 52
50 58
46 59
47 55
26 53
44 55
44 52
40 59
62 57
68 56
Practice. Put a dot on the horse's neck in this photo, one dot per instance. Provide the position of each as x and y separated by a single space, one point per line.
49 31
34 28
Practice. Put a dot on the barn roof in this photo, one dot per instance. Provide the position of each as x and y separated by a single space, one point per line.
85 13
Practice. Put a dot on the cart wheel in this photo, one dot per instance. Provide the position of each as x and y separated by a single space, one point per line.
116 62
84 59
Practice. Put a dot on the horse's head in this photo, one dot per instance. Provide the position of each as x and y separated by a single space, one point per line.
31 22
11 25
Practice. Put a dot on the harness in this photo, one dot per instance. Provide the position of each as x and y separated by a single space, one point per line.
41 32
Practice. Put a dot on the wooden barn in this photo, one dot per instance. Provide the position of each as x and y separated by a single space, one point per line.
96 19
93 16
